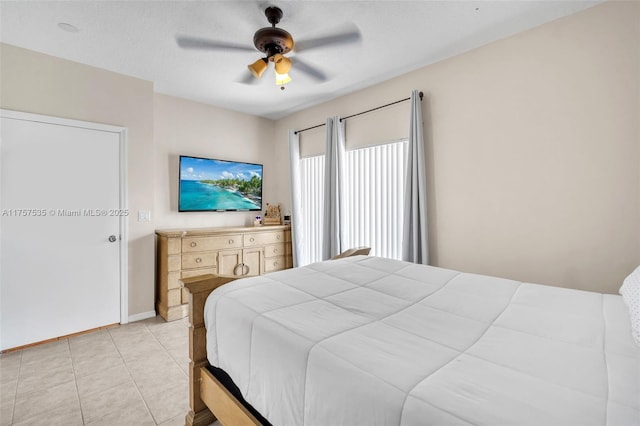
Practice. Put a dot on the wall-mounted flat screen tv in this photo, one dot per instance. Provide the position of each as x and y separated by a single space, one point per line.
207 184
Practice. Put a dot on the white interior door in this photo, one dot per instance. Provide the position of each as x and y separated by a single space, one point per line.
60 204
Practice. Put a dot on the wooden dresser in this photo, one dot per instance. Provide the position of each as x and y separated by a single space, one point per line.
183 253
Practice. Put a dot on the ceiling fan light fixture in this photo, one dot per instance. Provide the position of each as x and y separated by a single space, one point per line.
282 78
273 43
258 67
282 64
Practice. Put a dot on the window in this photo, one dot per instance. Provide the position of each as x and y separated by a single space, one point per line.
374 197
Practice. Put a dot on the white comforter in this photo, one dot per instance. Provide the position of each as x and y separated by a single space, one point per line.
372 341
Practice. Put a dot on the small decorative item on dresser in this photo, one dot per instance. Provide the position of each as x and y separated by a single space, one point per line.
272 215
257 221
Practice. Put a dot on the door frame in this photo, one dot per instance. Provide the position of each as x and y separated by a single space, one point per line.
123 241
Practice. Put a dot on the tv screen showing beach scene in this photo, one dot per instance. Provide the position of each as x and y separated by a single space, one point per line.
207 184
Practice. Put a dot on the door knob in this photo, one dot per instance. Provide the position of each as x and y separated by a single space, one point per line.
112 238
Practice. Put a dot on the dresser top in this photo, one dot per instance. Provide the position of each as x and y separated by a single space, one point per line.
184 232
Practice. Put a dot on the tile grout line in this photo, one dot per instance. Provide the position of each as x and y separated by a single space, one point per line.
167 352
75 380
135 383
124 365
166 349
15 392
58 342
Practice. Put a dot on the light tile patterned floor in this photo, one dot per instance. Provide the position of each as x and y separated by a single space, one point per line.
135 374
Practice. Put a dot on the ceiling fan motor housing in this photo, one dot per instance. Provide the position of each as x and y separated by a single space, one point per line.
272 40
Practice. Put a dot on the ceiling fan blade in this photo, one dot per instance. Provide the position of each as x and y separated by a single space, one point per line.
186 42
351 35
299 65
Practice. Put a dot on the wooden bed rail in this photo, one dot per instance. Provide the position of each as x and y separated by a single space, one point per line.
228 409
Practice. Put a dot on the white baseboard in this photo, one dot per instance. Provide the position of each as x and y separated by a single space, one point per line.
142 316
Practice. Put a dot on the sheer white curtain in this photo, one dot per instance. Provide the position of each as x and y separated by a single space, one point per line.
334 186
297 218
312 200
415 242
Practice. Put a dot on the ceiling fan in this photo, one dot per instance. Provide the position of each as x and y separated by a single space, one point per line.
275 43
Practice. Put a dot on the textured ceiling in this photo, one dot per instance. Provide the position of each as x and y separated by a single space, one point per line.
137 38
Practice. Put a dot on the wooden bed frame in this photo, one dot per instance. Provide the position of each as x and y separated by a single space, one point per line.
206 394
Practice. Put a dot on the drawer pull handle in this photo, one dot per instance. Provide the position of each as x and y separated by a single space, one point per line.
251 239
198 260
193 244
277 237
230 241
242 272
275 250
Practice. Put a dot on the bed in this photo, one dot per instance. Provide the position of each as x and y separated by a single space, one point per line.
371 341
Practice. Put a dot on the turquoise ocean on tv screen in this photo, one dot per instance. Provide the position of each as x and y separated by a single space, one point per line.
195 195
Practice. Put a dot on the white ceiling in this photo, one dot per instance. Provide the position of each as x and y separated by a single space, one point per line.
137 38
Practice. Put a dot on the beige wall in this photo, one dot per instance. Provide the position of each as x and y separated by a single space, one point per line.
533 147
184 127
42 84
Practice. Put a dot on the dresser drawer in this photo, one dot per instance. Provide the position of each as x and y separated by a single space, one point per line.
195 272
275 250
193 244
274 264
263 238
199 260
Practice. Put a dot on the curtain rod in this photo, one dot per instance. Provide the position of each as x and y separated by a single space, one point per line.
360 113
